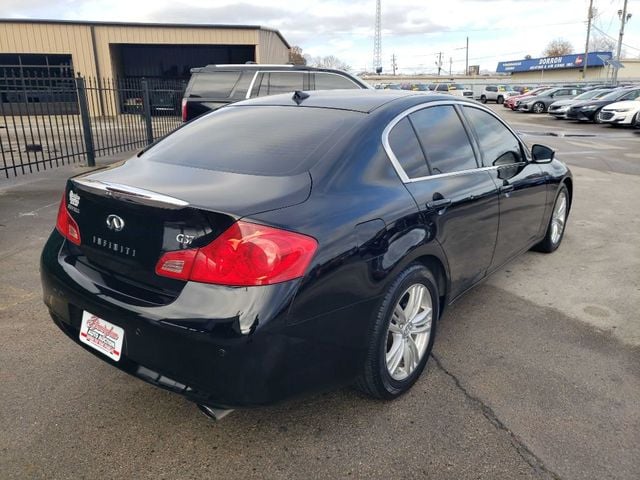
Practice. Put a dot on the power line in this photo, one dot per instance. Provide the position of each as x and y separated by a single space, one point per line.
614 38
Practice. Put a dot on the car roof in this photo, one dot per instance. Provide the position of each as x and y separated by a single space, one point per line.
262 66
364 101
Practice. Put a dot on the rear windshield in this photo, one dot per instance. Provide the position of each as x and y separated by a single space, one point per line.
214 84
258 140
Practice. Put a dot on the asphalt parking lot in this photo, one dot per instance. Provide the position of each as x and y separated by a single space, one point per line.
535 373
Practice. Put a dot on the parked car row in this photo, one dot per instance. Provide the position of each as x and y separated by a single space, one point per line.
456 89
618 105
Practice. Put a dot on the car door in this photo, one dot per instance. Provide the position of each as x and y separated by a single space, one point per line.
522 185
458 201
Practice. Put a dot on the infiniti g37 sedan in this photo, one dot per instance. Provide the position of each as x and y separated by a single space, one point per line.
293 243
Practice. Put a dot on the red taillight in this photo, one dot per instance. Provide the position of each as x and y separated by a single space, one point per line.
246 254
184 109
66 225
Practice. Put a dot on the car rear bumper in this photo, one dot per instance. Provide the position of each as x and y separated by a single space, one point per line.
194 347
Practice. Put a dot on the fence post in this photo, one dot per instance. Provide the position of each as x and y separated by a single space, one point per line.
85 118
146 105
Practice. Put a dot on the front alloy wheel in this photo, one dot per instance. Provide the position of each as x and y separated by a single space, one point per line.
557 222
559 217
597 118
538 107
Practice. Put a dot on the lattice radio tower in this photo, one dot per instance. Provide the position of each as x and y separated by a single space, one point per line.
377 40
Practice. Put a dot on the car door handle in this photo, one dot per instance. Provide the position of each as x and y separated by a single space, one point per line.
439 204
506 188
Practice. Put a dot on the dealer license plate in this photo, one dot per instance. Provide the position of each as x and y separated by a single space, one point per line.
105 337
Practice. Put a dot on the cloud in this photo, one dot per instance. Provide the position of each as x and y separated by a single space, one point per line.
412 29
353 20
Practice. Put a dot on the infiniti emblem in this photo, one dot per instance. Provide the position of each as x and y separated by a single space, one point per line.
115 223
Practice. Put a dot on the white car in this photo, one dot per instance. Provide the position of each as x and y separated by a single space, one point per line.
455 89
622 113
497 93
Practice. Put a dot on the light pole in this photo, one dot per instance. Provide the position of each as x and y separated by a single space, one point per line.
624 18
586 45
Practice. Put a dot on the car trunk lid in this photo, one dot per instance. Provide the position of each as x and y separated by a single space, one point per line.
125 229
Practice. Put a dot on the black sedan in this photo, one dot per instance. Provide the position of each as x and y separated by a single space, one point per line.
588 111
295 243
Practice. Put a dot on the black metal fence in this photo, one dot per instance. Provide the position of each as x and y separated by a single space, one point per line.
49 121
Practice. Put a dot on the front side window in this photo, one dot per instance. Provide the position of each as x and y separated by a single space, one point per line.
405 146
443 139
631 95
330 81
497 144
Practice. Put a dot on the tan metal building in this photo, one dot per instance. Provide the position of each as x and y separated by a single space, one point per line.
158 50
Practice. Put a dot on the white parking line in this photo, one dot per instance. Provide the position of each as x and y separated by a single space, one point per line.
592 144
585 152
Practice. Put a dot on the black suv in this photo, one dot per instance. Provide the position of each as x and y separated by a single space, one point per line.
214 86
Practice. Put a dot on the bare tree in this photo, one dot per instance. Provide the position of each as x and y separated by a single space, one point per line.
296 56
329 61
557 47
601 43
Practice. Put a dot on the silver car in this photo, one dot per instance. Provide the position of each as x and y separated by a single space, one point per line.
560 108
540 103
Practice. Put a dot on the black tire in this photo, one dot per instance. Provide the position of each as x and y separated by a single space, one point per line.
596 117
375 379
538 107
500 99
483 98
635 122
547 245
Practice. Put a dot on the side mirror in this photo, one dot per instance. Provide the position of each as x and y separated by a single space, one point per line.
542 154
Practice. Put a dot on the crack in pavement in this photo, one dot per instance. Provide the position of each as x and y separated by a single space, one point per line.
525 453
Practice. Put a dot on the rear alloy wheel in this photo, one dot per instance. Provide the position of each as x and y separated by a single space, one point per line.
538 107
483 98
500 99
402 335
555 229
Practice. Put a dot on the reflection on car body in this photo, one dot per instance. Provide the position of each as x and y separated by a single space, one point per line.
327 233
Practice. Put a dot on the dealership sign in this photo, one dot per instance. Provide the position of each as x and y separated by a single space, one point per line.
596 59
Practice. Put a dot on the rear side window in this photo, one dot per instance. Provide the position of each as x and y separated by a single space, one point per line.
330 81
498 145
259 140
405 146
281 82
214 84
444 139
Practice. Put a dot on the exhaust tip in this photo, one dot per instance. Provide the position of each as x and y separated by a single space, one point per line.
214 413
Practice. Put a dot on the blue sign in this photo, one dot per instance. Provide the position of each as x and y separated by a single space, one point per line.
596 59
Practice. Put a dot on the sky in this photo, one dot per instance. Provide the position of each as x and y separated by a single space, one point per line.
415 31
